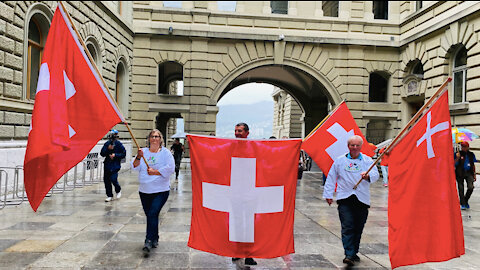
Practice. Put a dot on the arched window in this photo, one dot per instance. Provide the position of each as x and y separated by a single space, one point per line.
378 87
459 75
170 78
93 49
37 27
121 88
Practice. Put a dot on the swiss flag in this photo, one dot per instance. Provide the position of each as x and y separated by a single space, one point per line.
72 111
243 196
424 220
329 141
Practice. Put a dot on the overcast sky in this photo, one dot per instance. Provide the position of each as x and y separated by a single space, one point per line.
248 94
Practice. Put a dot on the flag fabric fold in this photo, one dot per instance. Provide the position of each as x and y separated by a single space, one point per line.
72 111
329 141
243 198
424 219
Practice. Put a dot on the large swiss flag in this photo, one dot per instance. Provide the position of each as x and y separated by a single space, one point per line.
424 220
329 141
243 196
72 111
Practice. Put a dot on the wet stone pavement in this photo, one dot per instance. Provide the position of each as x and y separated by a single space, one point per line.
78 230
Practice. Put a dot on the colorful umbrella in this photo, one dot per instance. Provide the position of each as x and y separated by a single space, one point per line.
463 135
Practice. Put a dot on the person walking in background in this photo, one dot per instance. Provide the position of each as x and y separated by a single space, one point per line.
114 152
352 203
178 149
465 171
384 166
154 183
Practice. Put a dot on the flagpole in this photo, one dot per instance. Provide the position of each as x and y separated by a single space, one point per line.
324 119
408 126
87 52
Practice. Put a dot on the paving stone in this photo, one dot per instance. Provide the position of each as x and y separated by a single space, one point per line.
31 226
78 230
35 246
6 243
18 260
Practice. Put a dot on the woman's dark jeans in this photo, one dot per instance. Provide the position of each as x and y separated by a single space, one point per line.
152 204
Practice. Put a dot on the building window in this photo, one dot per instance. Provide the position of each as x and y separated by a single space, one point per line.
380 10
460 75
38 27
227 5
172 4
279 7
169 74
93 49
377 131
121 93
330 8
418 5
378 87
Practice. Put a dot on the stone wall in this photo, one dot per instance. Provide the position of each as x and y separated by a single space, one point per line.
99 21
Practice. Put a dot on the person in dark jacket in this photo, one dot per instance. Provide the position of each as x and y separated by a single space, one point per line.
114 152
465 171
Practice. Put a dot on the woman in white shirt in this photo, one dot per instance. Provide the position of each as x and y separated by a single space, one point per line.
154 183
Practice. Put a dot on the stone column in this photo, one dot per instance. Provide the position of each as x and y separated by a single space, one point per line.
292 8
266 7
197 87
318 9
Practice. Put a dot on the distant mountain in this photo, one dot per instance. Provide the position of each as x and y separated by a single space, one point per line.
258 116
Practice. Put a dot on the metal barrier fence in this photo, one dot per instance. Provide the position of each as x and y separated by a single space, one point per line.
12 190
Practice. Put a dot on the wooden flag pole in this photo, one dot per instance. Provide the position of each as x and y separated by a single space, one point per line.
324 119
100 76
408 126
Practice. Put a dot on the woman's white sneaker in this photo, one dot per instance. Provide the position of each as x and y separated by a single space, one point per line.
109 199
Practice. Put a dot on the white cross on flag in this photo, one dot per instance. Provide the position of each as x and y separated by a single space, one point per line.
72 111
329 141
243 196
424 220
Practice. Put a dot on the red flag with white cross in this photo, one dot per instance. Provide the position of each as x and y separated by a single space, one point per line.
243 196
72 111
424 219
329 141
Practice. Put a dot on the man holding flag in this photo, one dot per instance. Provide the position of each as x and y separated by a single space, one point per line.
352 203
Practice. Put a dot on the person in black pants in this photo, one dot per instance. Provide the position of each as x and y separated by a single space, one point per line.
465 171
114 152
178 149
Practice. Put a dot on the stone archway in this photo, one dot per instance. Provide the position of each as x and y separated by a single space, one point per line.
312 91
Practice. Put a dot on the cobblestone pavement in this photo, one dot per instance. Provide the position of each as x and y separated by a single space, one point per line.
78 230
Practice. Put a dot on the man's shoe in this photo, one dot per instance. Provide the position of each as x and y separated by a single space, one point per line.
119 195
348 261
154 244
467 206
109 199
463 207
235 259
355 258
250 261
147 247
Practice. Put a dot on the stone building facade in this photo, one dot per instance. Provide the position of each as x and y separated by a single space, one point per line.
287 115
107 29
385 58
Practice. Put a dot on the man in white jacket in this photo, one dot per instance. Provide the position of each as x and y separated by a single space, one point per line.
353 204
